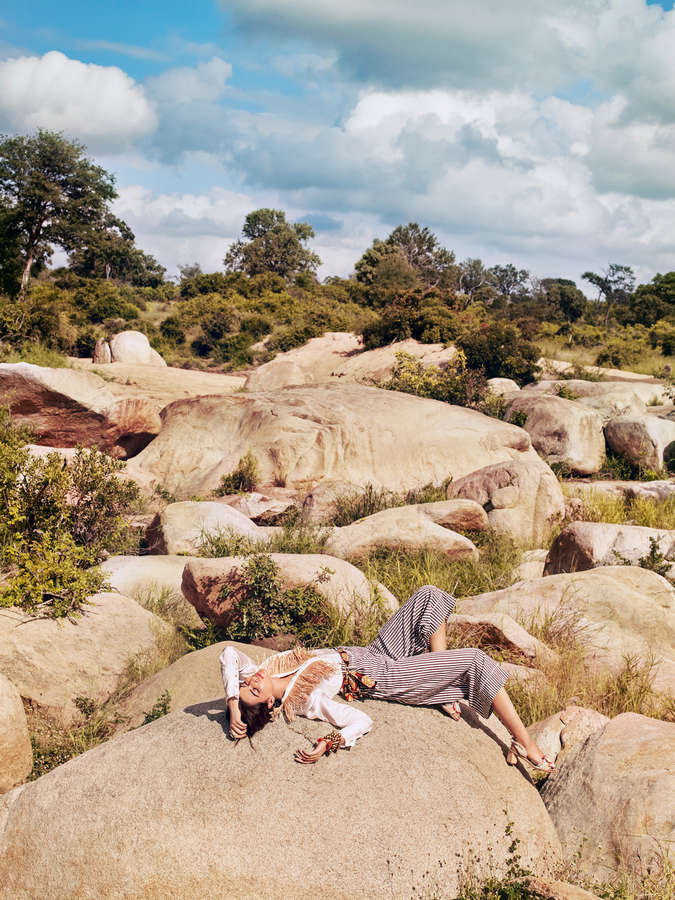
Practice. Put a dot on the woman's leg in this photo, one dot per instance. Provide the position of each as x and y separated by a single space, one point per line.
418 624
506 713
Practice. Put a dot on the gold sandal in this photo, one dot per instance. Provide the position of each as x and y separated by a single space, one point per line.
517 751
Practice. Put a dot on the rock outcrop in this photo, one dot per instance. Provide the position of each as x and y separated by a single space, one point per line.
16 753
66 407
345 586
175 809
411 528
181 527
587 545
612 801
562 431
617 610
339 356
646 441
134 347
522 498
348 432
51 662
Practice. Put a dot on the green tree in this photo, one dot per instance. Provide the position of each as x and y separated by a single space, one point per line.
52 195
566 297
410 257
110 252
509 281
272 245
652 301
615 285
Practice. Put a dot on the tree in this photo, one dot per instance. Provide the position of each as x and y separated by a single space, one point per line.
412 251
472 276
652 301
615 285
566 296
52 194
508 280
272 245
110 252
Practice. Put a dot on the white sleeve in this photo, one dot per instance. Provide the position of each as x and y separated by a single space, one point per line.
353 723
234 667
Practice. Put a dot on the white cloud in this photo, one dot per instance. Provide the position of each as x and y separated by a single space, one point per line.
535 45
100 105
203 83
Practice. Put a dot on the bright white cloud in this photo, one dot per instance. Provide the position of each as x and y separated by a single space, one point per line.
100 105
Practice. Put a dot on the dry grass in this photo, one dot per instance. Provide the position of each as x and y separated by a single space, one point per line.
600 506
570 678
650 362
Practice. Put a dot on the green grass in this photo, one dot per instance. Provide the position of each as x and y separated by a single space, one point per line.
650 362
600 506
569 677
404 571
296 536
37 354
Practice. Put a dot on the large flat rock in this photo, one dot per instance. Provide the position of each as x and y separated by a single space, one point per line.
160 385
333 432
65 407
176 809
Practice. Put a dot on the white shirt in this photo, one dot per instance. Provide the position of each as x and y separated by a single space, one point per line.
353 723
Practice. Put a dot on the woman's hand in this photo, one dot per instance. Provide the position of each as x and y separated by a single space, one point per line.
309 757
237 727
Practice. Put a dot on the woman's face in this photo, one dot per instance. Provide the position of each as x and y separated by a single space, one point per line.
257 689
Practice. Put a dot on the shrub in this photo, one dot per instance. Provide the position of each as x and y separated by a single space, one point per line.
50 574
59 519
500 350
242 479
265 609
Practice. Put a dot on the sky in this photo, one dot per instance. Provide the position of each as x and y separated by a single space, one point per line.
534 132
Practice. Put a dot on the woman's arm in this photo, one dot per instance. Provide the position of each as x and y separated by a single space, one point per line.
353 723
235 666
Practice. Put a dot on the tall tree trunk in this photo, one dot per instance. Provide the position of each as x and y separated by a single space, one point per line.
25 278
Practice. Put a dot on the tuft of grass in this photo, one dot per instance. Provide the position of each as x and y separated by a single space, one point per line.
243 478
619 469
161 707
296 535
169 646
403 571
599 506
357 503
54 744
166 604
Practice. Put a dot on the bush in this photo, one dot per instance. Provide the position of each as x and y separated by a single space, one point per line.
265 609
59 521
500 351
242 479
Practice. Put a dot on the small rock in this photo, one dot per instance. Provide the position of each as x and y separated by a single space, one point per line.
134 347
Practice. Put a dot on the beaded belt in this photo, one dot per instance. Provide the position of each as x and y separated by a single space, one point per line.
355 685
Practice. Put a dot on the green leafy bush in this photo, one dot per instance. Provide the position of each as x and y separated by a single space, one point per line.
264 608
499 349
59 520
242 479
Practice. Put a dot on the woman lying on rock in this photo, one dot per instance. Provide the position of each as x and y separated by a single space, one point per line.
395 666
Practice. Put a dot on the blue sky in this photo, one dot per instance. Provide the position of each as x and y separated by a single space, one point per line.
532 132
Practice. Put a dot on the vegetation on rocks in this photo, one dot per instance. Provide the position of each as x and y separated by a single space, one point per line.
356 503
242 479
59 521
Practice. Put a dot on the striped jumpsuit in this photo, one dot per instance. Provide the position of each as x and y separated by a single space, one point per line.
397 661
